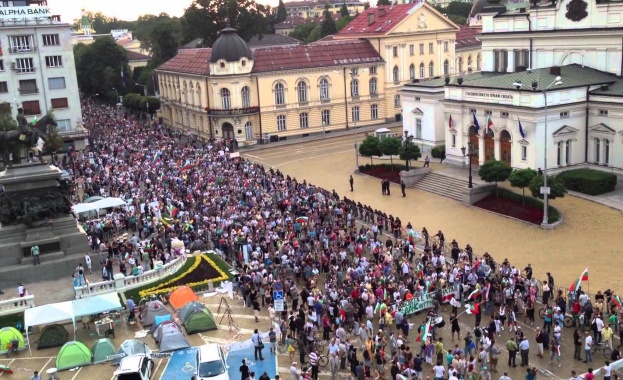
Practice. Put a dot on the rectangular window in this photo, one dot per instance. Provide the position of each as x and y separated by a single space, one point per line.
51 40
355 113
281 123
411 49
445 46
372 69
20 44
504 115
421 49
472 110
303 120
431 48
4 88
453 141
603 112
31 107
57 83
395 51
417 98
63 125
488 112
396 100
1 65
374 111
59 103
54 61
326 117
28 87
418 129
524 152
354 71
564 114
25 65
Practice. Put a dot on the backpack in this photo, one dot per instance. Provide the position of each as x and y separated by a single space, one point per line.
477 333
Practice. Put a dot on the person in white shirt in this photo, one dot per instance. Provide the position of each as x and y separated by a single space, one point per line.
87 261
588 343
607 370
505 376
439 371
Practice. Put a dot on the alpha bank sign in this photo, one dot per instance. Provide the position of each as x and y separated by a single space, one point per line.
489 95
9 13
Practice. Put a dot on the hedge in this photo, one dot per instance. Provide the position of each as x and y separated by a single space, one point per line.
437 151
589 181
397 167
553 213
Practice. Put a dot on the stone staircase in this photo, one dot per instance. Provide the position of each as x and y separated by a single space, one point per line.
444 185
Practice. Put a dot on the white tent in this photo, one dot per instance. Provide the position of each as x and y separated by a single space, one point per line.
96 304
46 314
83 207
109 202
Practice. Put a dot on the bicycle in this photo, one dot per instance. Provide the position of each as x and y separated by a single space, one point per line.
568 320
319 345
606 349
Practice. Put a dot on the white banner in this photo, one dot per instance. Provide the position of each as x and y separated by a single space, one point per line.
9 13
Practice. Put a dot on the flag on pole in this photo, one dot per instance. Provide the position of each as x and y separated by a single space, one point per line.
576 285
472 308
617 301
521 132
424 333
412 235
489 124
450 122
174 211
157 159
186 166
476 125
585 275
473 295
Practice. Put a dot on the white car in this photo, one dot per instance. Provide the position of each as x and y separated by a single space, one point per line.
135 367
211 363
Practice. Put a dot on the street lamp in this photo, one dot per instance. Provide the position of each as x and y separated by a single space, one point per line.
471 152
544 190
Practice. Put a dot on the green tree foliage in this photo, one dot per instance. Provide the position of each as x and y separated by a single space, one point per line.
315 35
7 122
141 103
342 22
383 2
98 66
327 27
459 20
369 147
161 35
459 8
494 171
366 5
303 31
555 184
521 178
282 13
104 24
344 10
390 146
409 151
205 19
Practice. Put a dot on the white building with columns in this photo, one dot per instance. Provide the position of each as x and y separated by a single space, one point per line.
523 51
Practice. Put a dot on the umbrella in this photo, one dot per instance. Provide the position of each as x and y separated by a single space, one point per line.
302 219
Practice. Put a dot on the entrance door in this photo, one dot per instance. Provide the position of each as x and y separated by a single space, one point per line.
505 147
473 139
489 146
228 131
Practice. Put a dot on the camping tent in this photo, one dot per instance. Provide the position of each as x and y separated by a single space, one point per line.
150 310
170 337
181 296
50 313
131 347
157 321
157 330
196 318
8 334
53 336
73 354
102 349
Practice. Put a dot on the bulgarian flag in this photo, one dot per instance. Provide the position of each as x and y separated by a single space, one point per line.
489 123
380 309
157 159
450 122
472 308
186 166
585 275
617 301
412 235
424 333
174 211
576 285
473 295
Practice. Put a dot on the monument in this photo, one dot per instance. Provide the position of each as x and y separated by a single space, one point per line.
35 210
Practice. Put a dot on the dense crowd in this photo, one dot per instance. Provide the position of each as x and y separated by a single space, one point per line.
347 269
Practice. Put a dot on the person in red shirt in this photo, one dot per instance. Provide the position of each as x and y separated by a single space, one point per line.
589 375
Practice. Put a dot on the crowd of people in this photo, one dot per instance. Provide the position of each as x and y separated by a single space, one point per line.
347 269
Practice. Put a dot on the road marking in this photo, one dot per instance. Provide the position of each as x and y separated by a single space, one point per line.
311 158
45 365
77 372
216 305
240 329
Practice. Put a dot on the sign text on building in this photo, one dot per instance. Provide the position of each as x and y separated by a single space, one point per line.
489 95
8 13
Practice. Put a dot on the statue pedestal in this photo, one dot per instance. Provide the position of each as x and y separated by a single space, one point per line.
61 243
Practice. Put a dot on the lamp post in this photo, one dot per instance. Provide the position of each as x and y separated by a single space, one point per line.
469 153
544 190
117 98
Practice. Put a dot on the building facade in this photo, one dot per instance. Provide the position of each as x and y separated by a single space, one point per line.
532 57
233 92
37 70
311 9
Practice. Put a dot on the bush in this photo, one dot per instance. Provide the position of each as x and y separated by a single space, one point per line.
589 181
368 167
437 151
553 214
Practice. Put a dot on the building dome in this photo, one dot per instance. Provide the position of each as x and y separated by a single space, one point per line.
229 47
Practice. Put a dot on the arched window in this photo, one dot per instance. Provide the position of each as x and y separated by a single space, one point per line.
225 99
597 151
396 73
422 72
606 152
431 69
354 88
559 153
324 89
248 130
301 90
568 152
280 94
246 97
374 89
469 63
478 62
460 65
412 71
446 67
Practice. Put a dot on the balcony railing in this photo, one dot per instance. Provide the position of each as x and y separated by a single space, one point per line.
28 91
27 49
325 100
16 305
233 111
374 95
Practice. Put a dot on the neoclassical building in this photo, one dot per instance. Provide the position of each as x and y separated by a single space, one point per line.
231 91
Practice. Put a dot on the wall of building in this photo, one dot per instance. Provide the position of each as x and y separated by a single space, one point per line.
428 109
466 58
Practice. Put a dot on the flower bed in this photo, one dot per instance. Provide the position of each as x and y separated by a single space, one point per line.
510 204
383 171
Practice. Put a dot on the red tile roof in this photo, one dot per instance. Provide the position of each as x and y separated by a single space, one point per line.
318 54
124 41
189 61
290 22
134 56
467 37
383 23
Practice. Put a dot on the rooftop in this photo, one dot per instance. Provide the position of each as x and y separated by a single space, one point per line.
466 37
189 61
292 4
615 89
272 40
294 21
134 56
379 20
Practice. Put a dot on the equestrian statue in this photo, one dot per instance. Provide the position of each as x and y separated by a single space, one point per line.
26 136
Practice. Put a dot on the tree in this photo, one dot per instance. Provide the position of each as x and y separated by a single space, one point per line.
342 22
370 147
282 13
390 146
495 171
459 20
344 10
459 8
164 44
303 31
409 151
314 35
327 27
366 5
521 178
380 3
556 186
99 66
7 122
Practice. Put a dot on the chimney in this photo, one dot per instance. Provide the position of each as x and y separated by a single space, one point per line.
522 10
370 18
554 70
460 81
447 80
605 87
381 11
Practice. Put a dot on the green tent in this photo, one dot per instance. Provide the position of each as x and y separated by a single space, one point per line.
53 336
198 319
9 334
102 349
73 354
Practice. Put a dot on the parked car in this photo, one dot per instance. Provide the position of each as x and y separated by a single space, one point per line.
211 363
135 367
